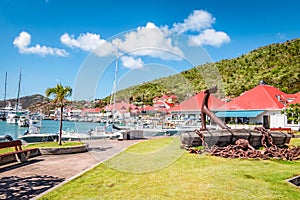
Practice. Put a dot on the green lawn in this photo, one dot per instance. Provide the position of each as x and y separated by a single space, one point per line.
53 144
43 144
295 142
185 176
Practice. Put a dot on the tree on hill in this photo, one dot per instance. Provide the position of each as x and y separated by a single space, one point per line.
60 93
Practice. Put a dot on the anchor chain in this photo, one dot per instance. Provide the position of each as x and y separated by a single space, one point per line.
242 148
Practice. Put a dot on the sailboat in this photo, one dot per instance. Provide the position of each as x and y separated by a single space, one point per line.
3 112
17 114
110 130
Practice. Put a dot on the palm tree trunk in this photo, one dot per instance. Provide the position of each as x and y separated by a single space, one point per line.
60 125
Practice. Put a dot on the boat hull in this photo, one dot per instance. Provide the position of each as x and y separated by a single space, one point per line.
33 138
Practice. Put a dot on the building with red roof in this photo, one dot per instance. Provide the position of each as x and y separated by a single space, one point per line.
259 105
165 98
296 99
192 106
262 97
122 109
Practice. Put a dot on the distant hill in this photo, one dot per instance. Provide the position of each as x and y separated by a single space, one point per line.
276 64
27 101
40 103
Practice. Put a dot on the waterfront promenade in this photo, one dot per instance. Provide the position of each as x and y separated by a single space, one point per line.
40 174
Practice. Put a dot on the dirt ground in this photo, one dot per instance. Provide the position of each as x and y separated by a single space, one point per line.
41 173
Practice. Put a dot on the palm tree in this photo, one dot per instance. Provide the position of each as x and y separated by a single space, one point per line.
60 93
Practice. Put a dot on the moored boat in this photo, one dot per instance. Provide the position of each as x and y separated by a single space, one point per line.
42 137
23 121
33 135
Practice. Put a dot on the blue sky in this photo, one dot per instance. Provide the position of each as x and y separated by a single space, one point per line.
75 42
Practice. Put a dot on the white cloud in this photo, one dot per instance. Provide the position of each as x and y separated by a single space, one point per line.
88 42
150 41
153 41
132 63
209 37
23 41
196 21
198 27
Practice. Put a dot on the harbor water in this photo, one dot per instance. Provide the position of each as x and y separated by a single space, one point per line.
49 126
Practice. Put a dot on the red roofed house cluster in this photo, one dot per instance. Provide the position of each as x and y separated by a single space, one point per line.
164 103
261 105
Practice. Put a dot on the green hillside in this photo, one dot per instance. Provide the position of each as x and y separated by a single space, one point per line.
276 64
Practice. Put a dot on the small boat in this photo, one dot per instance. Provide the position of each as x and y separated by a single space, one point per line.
11 117
4 138
74 136
41 137
23 121
35 118
33 135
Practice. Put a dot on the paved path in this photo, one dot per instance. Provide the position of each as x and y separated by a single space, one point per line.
39 174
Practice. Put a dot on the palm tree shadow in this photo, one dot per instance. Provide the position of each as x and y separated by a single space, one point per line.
22 188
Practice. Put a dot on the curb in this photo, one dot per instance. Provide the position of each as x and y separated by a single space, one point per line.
65 150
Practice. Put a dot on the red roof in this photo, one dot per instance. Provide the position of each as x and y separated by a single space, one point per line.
195 102
164 97
169 104
262 97
173 96
148 108
289 96
297 99
91 110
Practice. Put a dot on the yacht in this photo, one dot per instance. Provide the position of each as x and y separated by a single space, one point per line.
11 117
35 119
23 121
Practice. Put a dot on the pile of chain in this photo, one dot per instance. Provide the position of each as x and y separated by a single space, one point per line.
242 149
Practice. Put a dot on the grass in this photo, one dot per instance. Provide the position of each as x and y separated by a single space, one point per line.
295 142
44 145
187 176
53 144
6 150
297 133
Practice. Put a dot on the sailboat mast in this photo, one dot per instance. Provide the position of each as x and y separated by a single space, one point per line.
113 93
5 87
19 89
116 77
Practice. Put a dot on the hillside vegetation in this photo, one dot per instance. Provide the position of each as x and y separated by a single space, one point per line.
276 64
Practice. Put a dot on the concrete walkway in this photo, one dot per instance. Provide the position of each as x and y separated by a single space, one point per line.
39 174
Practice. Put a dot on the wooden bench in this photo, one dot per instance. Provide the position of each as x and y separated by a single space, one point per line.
288 130
21 155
